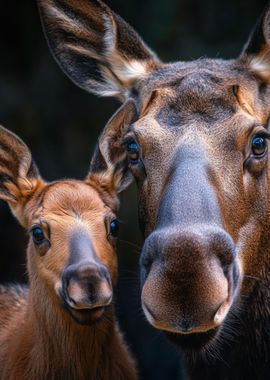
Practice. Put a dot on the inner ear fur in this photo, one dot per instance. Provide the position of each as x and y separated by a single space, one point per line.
109 168
19 176
95 47
256 53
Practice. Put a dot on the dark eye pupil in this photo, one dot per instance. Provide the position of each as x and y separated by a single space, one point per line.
114 228
133 151
258 145
132 147
38 235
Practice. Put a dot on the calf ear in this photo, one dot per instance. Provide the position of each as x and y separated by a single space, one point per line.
19 177
109 167
98 50
256 53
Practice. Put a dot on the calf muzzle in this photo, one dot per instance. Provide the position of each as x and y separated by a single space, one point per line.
86 290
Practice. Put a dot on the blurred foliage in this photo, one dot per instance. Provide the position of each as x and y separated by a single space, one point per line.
61 123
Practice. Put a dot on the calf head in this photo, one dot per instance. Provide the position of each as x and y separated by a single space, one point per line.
72 230
198 152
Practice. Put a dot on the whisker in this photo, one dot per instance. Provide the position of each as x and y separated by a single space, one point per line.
252 277
131 244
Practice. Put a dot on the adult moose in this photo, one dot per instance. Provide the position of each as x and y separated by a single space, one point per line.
198 152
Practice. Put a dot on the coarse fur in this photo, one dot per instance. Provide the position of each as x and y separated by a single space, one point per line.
63 325
204 200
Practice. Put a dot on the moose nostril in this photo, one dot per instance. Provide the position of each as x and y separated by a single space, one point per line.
148 312
222 311
105 292
186 325
147 261
223 246
87 286
104 273
76 293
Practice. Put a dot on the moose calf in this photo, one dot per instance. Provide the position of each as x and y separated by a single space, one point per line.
63 326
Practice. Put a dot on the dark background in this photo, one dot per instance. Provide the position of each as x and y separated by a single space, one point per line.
61 123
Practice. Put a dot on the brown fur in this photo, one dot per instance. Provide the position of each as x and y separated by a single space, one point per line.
38 337
203 195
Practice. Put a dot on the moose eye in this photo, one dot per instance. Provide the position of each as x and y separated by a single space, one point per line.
114 228
259 146
133 151
38 235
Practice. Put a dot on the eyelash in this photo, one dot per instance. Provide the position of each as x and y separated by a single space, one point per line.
263 134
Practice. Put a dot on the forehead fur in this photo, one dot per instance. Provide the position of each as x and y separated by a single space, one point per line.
70 195
229 70
202 90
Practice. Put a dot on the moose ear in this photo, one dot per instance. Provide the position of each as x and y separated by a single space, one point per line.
98 50
109 168
19 176
256 53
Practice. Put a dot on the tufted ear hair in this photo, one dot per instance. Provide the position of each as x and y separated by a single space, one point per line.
109 167
256 53
19 176
95 47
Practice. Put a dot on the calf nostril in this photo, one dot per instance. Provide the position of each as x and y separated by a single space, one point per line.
76 293
104 274
86 285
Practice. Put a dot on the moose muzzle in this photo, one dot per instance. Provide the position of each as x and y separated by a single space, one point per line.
190 280
189 267
86 281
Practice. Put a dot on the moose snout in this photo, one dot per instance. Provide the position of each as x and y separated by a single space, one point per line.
189 278
87 286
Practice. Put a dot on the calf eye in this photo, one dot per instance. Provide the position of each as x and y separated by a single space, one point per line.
114 228
38 235
259 146
133 151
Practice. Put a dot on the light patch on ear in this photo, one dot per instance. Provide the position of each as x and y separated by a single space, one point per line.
125 70
131 70
260 64
109 88
120 78
117 81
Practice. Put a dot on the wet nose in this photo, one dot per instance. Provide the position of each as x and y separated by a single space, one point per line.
87 285
188 278
189 246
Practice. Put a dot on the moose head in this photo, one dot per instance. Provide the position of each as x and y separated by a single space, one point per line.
197 148
71 257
